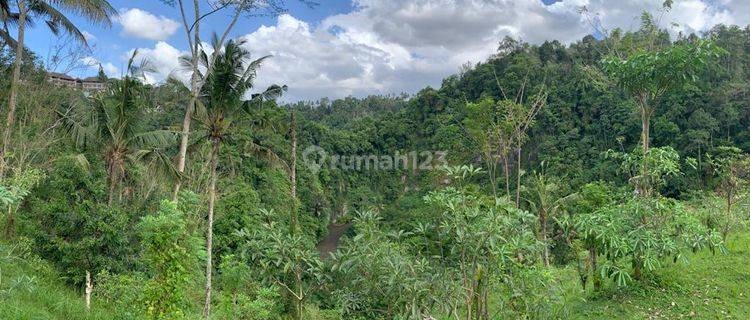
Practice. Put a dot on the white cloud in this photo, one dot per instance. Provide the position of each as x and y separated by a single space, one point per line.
313 61
93 63
90 61
88 36
143 24
162 58
402 46
691 16
111 70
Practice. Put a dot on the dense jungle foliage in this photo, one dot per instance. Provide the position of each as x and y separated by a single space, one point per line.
596 179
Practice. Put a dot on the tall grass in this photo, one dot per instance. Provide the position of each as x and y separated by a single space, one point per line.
31 289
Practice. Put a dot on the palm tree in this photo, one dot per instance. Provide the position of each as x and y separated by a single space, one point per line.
113 124
6 17
192 32
545 200
98 11
222 102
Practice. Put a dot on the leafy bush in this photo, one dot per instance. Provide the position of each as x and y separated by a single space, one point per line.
171 254
449 264
70 224
264 305
122 292
284 258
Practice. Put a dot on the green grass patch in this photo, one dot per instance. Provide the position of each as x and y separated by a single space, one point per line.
709 286
31 289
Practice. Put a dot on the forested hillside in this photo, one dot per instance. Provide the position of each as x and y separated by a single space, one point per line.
605 178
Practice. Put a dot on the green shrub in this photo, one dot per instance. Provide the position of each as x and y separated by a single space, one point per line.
171 255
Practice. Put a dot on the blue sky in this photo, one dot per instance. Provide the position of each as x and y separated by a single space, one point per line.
110 45
361 47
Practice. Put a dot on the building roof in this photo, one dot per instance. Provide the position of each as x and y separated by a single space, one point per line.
61 76
91 79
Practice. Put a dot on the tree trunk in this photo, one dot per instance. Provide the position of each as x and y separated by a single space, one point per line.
518 178
298 311
293 173
645 182
112 177
300 295
507 175
637 272
5 28
209 229
594 269
89 290
294 227
14 82
10 224
583 271
185 137
485 306
725 232
646 134
700 168
490 158
543 222
492 171
112 190
194 90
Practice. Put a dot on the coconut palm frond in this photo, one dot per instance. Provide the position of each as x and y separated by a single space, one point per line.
97 11
143 67
254 149
197 141
81 126
53 27
203 59
7 39
256 99
201 112
186 62
157 139
162 165
131 68
173 82
215 42
56 20
138 70
80 160
10 19
4 7
110 118
252 68
157 163
273 92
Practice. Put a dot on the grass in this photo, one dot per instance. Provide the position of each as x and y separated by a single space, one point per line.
30 289
708 287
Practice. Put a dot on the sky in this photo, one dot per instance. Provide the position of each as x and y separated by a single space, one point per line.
360 47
